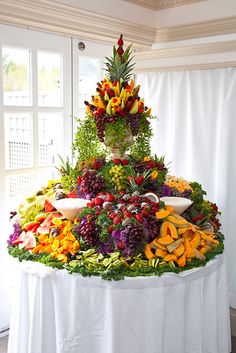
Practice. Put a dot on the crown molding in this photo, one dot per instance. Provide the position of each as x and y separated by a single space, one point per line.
186 67
162 4
198 49
197 30
195 57
54 17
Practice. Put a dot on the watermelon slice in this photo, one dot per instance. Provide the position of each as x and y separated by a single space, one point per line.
72 194
48 206
29 240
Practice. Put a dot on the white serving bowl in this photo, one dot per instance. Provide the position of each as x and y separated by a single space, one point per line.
70 207
180 204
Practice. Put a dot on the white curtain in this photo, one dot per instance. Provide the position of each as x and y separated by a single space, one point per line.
196 131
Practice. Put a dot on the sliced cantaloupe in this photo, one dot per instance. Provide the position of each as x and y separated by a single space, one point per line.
164 212
174 245
165 240
203 249
196 241
76 245
148 252
168 228
180 250
55 244
156 245
188 248
209 238
199 255
37 249
178 221
170 257
160 253
181 261
43 238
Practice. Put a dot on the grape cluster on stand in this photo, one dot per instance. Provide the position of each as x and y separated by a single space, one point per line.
118 177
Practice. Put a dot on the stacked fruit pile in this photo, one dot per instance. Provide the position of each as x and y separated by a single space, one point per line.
120 223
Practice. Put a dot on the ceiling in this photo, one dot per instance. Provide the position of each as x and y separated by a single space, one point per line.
163 4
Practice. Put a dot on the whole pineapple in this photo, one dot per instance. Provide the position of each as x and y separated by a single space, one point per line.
120 66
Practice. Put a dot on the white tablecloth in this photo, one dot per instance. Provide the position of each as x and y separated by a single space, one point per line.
56 312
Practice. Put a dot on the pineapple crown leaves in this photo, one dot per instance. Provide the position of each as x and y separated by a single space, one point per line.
120 67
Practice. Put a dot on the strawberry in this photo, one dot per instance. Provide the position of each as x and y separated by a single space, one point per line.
79 179
91 204
139 180
125 162
145 213
139 217
96 165
120 41
98 201
117 161
200 216
110 198
128 214
120 245
117 220
110 229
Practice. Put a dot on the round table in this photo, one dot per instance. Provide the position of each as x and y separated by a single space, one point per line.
56 312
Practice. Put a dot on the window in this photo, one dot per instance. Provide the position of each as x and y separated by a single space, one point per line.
35 116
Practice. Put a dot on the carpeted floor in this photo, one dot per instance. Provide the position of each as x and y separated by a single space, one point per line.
3 344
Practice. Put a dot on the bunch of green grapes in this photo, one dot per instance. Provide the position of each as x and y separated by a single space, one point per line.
118 177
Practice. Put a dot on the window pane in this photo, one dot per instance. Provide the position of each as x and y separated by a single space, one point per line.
16 77
50 85
18 140
50 129
19 186
89 73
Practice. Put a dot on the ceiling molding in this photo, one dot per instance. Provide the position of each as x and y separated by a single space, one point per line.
198 49
197 30
162 4
54 17
186 67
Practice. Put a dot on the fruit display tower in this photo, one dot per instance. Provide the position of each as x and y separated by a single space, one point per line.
117 212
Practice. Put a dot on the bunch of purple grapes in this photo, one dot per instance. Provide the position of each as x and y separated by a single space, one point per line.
131 238
15 234
92 183
134 122
88 230
152 228
100 124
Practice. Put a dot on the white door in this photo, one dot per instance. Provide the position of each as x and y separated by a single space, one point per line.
42 86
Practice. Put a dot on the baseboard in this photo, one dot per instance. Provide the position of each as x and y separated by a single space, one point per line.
4 331
233 321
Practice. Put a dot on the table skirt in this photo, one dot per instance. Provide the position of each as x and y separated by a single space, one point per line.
56 312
